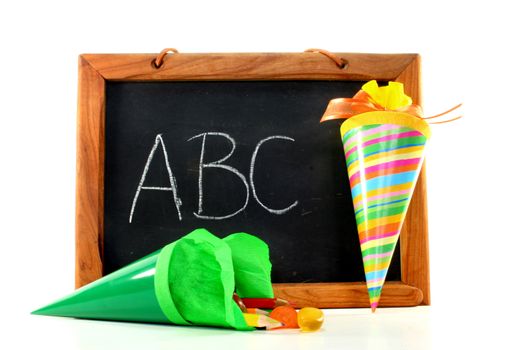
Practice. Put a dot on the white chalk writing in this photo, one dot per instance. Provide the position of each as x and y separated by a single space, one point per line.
217 164
173 182
252 170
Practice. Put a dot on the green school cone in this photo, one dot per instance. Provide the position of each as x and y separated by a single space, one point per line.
138 292
160 288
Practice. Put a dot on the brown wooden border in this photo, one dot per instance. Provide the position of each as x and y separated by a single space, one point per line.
96 69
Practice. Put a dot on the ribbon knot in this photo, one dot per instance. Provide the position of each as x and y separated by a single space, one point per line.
373 97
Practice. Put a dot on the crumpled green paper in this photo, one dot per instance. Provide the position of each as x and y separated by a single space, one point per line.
202 281
205 270
251 263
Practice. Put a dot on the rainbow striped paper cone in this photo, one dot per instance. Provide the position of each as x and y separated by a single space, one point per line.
384 154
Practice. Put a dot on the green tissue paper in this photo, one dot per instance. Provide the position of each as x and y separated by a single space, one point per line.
251 263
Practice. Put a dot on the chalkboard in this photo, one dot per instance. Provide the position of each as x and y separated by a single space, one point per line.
293 193
232 142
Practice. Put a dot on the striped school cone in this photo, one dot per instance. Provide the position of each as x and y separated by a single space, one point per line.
384 136
384 154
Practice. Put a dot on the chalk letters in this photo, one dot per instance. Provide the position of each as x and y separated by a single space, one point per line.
218 164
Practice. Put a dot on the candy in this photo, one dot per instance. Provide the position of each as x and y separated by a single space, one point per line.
286 315
310 319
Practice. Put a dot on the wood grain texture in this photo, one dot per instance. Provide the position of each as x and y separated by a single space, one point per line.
90 172
249 66
94 70
350 294
414 235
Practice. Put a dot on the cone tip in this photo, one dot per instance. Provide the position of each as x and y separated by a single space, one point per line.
40 311
48 310
373 306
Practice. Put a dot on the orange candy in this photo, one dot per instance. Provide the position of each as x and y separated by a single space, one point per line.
286 315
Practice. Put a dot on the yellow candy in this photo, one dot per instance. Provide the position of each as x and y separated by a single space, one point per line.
310 319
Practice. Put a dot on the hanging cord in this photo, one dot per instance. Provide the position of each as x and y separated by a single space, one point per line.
159 61
339 61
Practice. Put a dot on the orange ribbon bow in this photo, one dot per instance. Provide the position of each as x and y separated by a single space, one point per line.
372 97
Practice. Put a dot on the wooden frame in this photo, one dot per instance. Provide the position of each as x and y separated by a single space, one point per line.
96 69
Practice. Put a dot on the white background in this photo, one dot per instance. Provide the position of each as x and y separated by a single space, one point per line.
472 53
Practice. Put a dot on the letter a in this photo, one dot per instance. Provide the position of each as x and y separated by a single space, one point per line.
173 182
